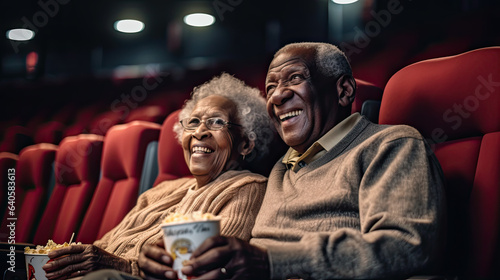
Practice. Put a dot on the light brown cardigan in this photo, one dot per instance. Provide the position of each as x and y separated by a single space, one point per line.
236 196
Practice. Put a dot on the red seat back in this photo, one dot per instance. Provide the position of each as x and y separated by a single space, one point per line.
77 169
367 100
33 175
15 139
171 163
104 121
365 91
82 120
116 193
49 132
454 102
149 113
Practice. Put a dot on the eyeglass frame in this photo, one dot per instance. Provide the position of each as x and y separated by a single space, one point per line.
209 127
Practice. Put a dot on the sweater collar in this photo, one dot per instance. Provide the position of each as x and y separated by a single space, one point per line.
295 160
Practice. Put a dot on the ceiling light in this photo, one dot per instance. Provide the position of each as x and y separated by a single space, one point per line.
129 26
20 34
199 20
344 1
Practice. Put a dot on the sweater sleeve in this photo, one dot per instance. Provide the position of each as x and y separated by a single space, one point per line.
401 216
110 235
145 199
238 214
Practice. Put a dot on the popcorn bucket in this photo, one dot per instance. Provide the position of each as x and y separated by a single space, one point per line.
34 263
182 238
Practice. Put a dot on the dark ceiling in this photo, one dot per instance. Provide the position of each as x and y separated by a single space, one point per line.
82 31
76 40
86 28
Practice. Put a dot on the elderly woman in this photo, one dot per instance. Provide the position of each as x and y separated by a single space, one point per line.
223 123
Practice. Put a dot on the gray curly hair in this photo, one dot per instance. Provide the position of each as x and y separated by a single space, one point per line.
250 105
330 60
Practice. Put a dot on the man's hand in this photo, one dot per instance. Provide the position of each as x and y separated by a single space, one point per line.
78 260
228 258
155 262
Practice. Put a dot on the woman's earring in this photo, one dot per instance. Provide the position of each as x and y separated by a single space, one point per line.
243 157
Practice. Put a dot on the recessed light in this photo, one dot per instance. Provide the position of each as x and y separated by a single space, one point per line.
129 26
344 1
20 34
199 19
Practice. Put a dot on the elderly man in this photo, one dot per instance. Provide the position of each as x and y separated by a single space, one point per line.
350 199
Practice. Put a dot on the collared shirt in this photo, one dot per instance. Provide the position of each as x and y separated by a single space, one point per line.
294 160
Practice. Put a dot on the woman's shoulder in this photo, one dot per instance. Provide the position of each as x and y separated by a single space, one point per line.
168 186
243 176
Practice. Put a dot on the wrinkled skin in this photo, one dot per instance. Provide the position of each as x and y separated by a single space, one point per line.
223 143
155 262
316 103
78 260
241 260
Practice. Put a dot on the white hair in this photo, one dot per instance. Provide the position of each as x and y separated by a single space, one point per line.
250 108
330 60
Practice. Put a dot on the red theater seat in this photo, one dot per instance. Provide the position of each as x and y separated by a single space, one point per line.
150 113
77 169
15 139
454 102
34 175
49 132
82 120
104 121
367 100
164 161
365 91
171 163
116 193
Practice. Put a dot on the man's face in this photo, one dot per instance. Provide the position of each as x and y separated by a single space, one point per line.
300 113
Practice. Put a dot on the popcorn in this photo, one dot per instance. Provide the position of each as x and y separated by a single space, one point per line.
191 217
51 245
183 233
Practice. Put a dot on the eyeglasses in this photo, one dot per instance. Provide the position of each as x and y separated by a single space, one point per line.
211 123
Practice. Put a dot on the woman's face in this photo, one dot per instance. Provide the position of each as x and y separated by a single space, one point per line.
208 153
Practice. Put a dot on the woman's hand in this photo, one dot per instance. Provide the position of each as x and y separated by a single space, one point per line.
78 260
155 262
228 258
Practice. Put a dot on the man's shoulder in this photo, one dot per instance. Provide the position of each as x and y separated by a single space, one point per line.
392 132
400 131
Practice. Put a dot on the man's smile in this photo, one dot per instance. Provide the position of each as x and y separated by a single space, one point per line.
289 115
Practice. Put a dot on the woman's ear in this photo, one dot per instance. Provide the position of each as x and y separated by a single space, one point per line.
247 147
346 89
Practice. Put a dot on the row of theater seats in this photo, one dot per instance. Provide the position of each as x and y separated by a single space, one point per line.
453 101
88 183
95 118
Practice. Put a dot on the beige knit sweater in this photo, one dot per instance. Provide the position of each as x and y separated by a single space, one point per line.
371 207
236 196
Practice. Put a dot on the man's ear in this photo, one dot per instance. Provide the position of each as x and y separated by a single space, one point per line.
247 147
346 88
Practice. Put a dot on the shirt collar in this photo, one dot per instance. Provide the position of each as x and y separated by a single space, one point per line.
327 142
